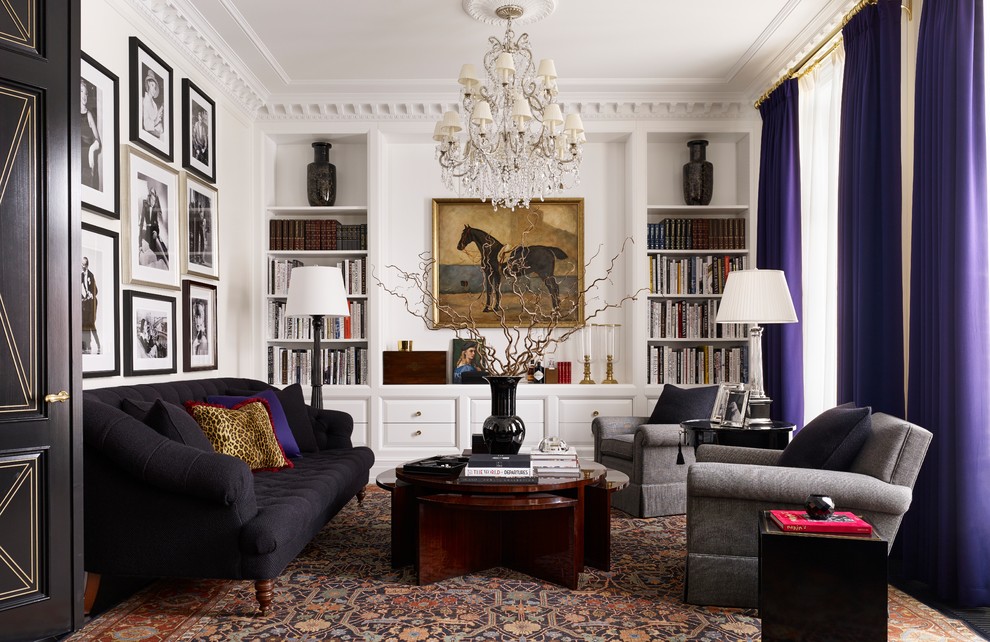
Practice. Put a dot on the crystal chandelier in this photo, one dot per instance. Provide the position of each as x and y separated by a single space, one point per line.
517 144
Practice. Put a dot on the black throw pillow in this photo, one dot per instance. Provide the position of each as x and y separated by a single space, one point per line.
830 441
296 413
681 404
169 421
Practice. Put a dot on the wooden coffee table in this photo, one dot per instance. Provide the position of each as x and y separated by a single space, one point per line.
549 529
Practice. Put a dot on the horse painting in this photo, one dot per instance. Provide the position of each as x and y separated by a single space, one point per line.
522 260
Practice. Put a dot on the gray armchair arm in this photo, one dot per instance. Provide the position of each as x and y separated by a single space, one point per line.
608 427
738 455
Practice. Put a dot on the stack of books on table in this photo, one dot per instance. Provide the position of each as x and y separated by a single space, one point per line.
495 468
839 522
562 463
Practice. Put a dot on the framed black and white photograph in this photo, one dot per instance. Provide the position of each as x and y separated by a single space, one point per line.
200 228
199 334
150 100
735 409
199 132
149 340
151 222
100 293
99 150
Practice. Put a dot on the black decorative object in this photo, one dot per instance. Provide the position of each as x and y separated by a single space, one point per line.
503 431
321 177
437 465
819 506
698 175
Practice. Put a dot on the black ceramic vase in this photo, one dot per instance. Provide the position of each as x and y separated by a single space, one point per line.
503 431
321 177
698 175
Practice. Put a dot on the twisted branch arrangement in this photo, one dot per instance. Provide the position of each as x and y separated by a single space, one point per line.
529 334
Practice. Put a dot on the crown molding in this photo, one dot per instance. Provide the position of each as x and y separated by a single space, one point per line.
181 23
603 110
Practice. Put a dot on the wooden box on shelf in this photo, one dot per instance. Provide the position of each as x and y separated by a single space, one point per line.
414 367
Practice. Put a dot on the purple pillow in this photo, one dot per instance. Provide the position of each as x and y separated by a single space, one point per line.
282 431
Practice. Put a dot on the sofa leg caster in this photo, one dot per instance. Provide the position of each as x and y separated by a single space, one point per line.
263 591
360 495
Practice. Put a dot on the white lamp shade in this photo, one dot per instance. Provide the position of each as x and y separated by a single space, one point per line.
573 124
451 123
756 296
552 117
316 290
547 69
482 114
504 63
469 77
520 108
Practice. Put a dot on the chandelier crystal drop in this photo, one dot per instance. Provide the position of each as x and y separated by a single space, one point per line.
517 145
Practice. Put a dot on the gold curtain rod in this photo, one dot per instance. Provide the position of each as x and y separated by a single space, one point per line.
793 72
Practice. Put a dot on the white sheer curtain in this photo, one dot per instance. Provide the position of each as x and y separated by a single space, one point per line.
820 93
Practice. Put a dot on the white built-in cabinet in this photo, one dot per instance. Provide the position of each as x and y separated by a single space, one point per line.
386 178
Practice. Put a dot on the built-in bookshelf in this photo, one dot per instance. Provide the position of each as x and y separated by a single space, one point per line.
691 249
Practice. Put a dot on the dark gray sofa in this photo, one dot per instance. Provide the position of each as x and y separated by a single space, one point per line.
159 508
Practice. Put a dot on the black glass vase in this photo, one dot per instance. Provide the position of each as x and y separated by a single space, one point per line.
504 431
321 177
698 175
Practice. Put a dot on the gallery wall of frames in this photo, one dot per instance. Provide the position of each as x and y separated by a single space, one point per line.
150 238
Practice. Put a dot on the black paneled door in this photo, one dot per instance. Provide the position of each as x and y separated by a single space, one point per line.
40 542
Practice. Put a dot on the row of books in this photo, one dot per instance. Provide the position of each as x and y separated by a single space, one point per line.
556 464
354 272
704 364
697 234
693 274
672 319
316 234
282 326
347 366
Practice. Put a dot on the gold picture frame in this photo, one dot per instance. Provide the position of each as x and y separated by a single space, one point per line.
489 259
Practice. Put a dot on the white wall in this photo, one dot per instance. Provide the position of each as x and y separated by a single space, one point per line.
106 27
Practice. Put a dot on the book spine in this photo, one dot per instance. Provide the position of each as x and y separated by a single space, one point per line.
497 471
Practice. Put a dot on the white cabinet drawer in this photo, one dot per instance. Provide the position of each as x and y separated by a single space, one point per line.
530 410
577 434
419 411
356 408
577 411
409 434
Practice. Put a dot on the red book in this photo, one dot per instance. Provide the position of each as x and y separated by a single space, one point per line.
797 521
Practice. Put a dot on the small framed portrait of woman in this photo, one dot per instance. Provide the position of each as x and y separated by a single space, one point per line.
100 293
98 147
151 222
467 361
199 132
150 100
199 334
149 342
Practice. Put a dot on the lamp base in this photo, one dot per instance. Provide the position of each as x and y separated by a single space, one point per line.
758 411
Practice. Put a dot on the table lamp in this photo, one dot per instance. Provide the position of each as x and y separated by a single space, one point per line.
756 297
317 291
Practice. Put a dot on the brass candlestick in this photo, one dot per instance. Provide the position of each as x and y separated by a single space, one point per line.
609 374
587 370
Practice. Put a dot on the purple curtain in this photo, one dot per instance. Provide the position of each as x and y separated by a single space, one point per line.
870 338
946 534
778 247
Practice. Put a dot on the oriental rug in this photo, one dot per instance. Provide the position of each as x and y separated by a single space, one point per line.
342 587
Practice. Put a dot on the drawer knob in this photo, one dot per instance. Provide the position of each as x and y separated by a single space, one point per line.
594 414
417 433
418 413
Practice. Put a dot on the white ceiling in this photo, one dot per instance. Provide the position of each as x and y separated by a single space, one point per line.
705 49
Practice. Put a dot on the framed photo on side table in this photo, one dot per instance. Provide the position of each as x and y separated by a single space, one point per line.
151 222
200 229
100 293
99 148
150 103
735 408
199 334
149 339
199 132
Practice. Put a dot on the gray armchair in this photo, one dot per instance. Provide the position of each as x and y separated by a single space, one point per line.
729 486
648 454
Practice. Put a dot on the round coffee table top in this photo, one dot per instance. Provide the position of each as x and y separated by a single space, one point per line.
591 473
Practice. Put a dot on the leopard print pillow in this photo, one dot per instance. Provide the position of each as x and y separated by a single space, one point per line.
244 431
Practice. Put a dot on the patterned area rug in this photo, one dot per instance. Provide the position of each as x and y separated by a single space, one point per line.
342 587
